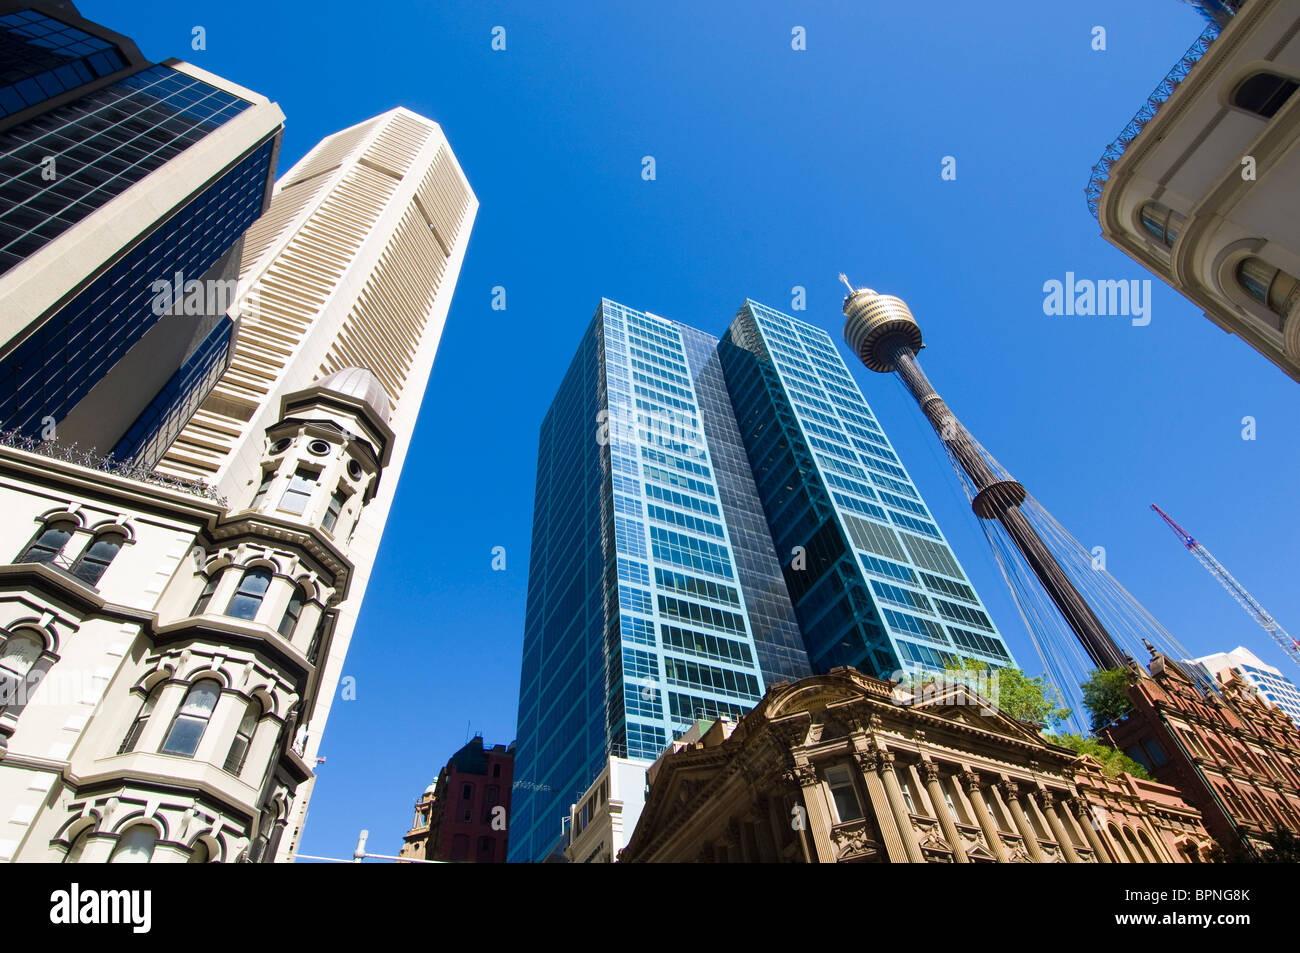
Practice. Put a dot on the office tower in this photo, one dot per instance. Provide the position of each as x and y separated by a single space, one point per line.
657 595
637 621
872 577
353 266
463 816
170 647
1199 187
125 188
1272 686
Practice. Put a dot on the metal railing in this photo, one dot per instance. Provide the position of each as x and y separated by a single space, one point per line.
94 461
1101 171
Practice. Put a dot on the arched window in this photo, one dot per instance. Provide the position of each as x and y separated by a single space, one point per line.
205 596
248 597
78 846
243 738
49 542
1271 287
90 565
1263 93
192 718
135 846
1162 222
141 719
18 654
199 854
294 610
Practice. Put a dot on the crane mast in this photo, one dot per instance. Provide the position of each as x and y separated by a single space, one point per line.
1284 640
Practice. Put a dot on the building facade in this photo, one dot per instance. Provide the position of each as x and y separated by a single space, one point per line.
162 650
874 582
724 478
464 815
845 768
125 189
1231 756
1199 187
1272 687
353 265
602 820
207 630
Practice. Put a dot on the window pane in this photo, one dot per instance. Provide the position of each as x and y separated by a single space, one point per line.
135 846
202 698
184 736
20 652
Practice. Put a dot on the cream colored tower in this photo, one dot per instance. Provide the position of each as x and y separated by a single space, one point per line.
353 265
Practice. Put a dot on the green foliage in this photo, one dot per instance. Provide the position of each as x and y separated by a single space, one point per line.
1113 762
1105 695
1024 698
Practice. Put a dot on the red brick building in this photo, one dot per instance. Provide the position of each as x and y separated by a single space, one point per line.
463 815
1232 757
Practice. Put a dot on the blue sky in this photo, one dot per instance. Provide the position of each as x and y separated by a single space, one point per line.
775 168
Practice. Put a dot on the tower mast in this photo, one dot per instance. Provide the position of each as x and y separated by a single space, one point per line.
882 332
1285 640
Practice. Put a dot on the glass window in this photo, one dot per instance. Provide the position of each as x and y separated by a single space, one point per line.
248 597
467 792
1270 286
337 499
1263 93
141 719
205 596
243 738
294 610
192 719
199 854
267 479
135 846
1162 222
843 792
91 564
298 495
48 544
19 653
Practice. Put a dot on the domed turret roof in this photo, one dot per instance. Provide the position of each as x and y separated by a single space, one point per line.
362 384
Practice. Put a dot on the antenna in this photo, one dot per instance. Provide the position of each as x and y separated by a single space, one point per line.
844 278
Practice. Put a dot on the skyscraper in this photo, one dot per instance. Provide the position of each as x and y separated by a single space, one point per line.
668 464
1274 688
125 188
170 648
353 266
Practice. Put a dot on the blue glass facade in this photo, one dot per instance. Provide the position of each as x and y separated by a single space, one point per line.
874 582
637 620
171 409
58 363
101 145
41 57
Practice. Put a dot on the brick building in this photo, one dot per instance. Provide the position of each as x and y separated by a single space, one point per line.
463 815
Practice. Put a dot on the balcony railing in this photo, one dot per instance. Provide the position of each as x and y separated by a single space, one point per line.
93 461
1101 171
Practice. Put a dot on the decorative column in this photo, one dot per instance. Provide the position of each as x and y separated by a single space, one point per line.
898 808
982 814
930 771
1011 794
818 815
1050 800
1083 814
880 809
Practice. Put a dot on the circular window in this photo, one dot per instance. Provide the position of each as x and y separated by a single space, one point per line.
354 470
281 445
319 448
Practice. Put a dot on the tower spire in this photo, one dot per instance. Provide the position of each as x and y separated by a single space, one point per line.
882 332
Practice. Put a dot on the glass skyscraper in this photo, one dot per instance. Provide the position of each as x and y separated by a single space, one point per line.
712 517
874 582
86 343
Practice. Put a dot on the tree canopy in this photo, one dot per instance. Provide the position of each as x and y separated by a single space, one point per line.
1113 762
1105 695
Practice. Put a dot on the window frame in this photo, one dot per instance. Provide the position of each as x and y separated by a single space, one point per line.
240 593
87 557
180 714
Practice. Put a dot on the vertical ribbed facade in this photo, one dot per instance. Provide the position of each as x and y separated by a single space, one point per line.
353 265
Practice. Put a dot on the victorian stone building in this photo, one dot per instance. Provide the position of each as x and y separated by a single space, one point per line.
160 649
1230 755
846 768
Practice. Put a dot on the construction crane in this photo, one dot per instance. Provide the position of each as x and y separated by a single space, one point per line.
1285 641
